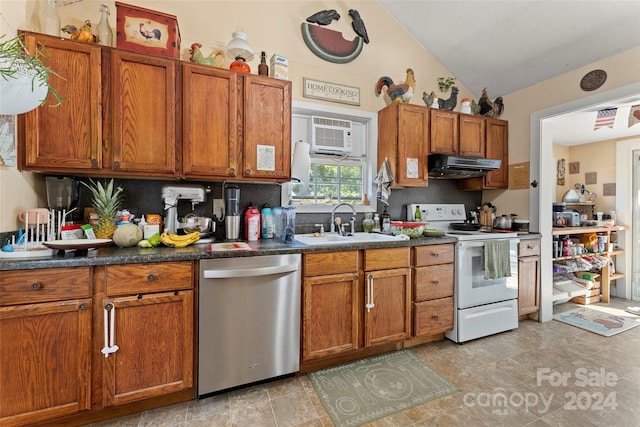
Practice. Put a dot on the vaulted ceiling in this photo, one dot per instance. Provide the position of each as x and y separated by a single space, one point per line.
509 45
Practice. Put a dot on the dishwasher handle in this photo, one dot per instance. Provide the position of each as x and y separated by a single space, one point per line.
253 272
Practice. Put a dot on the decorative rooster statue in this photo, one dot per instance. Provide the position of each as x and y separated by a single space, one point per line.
398 92
215 58
490 108
443 104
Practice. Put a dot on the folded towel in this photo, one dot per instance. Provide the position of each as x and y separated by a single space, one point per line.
496 259
384 179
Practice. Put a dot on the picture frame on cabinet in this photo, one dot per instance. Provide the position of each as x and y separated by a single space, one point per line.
147 31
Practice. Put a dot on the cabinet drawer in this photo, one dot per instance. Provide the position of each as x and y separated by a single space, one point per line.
47 284
433 254
143 278
433 317
529 247
330 263
433 282
382 259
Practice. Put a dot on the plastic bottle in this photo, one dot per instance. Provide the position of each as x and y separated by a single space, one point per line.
417 216
277 220
465 106
268 225
252 223
263 68
386 221
376 223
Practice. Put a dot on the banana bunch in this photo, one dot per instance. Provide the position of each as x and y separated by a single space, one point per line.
179 241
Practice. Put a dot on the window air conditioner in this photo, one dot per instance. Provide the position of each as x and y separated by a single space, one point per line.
330 136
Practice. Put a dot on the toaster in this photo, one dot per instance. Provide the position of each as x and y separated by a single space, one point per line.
571 219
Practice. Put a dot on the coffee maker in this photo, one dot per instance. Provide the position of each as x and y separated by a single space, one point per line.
232 218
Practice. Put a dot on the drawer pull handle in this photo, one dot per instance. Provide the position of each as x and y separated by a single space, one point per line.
436 254
435 317
436 282
82 307
529 247
35 286
151 278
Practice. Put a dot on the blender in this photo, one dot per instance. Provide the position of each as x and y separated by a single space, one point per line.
232 219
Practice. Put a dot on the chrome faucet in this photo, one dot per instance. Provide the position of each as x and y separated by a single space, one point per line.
352 221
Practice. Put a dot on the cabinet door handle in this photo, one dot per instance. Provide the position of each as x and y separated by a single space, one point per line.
94 163
116 165
247 172
369 305
232 171
109 329
436 282
435 317
151 278
36 286
436 254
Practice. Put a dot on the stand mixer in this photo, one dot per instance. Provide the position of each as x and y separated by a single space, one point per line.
172 193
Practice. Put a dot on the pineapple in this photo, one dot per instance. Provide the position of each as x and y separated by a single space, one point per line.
106 201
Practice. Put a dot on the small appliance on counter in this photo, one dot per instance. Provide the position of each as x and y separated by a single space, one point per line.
232 218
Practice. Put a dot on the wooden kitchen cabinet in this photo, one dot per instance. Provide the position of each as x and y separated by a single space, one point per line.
149 308
497 147
45 344
433 285
528 276
403 139
140 134
330 304
234 125
387 302
457 134
66 138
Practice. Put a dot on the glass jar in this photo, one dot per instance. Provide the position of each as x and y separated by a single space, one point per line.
367 222
105 34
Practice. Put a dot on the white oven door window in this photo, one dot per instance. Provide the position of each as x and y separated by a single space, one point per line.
472 288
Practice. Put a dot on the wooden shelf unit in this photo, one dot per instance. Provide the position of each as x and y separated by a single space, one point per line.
605 277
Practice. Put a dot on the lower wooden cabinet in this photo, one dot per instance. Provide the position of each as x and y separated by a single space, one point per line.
45 348
330 304
149 310
433 285
528 276
387 305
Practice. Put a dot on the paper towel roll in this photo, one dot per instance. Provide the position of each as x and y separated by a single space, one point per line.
300 163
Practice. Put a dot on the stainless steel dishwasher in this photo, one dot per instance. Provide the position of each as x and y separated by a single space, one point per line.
249 320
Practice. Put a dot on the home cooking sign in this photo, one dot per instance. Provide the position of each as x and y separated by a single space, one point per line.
331 92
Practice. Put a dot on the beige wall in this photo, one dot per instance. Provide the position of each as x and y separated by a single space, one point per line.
274 26
599 157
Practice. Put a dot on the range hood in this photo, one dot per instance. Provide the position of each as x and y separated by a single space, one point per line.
457 167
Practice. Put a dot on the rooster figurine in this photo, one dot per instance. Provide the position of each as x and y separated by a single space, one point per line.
490 108
82 34
398 92
215 58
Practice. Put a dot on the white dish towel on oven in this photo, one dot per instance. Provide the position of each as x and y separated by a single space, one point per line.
496 259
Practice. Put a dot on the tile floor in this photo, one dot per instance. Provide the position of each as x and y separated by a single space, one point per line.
498 378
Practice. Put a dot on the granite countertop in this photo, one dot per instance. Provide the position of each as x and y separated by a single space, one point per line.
115 255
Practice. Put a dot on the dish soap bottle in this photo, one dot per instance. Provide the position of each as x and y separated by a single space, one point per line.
417 216
376 224
386 221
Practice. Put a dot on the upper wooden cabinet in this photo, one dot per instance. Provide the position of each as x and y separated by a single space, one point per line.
403 138
66 137
457 134
130 114
235 125
141 138
497 147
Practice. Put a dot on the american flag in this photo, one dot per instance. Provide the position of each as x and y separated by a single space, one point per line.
605 118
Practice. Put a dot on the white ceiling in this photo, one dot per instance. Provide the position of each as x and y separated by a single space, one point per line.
509 45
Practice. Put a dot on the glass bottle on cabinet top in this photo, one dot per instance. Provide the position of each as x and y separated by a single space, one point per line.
49 19
105 34
263 68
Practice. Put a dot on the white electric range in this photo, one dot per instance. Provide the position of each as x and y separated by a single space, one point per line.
483 306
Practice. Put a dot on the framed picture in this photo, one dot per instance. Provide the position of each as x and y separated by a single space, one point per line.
147 31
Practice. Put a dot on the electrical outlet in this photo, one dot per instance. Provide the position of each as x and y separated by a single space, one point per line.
218 208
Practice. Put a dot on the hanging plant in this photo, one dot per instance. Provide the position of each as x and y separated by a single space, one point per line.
24 77
444 83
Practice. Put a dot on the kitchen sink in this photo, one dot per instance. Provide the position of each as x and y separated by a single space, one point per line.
336 239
